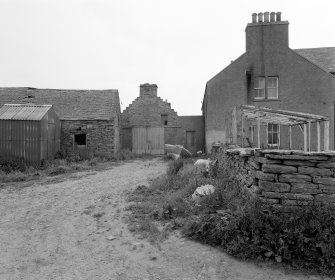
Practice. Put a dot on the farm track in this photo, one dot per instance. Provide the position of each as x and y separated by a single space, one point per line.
74 229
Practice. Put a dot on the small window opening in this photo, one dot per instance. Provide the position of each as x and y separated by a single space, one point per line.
80 139
164 119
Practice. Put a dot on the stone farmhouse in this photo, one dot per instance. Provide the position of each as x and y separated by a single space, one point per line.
89 118
149 122
272 75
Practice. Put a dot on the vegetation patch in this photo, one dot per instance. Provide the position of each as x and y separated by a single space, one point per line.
233 218
16 170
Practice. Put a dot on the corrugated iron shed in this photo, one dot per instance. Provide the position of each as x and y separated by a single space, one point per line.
29 131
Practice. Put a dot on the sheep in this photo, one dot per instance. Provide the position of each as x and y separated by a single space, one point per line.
204 165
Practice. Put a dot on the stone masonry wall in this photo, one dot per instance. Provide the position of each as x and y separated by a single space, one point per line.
99 136
286 178
147 111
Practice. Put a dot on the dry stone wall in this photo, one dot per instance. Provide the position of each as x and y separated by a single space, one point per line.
285 178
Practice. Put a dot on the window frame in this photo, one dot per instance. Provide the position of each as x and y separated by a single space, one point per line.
268 87
272 145
257 89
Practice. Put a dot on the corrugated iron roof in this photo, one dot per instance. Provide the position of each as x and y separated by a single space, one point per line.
68 104
29 112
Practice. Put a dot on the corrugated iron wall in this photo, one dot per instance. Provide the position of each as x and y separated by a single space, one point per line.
20 138
31 140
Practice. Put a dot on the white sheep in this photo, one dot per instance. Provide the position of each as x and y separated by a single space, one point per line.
203 164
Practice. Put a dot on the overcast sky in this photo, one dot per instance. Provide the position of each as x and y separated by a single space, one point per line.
119 44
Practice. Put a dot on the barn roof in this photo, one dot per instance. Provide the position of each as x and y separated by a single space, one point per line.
23 112
323 57
68 104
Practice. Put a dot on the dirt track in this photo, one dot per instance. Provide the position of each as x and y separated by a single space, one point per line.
73 229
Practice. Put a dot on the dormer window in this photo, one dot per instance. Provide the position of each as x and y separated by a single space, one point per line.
259 87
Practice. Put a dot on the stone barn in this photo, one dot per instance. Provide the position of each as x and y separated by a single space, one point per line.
149 122
89 118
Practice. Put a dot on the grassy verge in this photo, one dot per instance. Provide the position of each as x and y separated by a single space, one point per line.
233 219
16 170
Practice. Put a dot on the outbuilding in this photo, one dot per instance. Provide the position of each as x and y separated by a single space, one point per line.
29 131
89 118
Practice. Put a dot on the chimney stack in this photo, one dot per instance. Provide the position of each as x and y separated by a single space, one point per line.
267 30
148 90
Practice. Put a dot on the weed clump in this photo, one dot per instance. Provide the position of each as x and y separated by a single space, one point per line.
304 239
8 165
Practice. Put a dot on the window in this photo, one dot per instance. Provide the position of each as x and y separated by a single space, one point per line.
80 139
273 135
272 87
164 119
259 87
271 91
190 138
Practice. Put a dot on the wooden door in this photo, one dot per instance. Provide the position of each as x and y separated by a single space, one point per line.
148 140
190 141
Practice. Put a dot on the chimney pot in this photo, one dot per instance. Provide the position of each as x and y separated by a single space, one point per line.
272 16
254 18
266 17
278 15
260 17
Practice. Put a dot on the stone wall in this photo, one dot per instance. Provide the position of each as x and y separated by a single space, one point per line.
285 178
147 111
100 136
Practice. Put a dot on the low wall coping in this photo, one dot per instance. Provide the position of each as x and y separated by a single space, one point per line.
257 151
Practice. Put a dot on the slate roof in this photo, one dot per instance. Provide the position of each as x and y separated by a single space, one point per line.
68 104
323 57
23 112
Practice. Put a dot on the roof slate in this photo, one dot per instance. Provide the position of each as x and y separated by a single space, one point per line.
68 104
323 57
